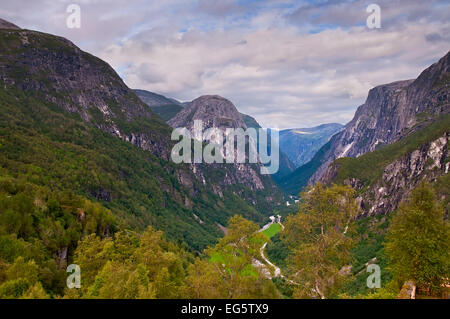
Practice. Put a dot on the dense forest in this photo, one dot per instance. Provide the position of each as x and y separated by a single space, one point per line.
39 228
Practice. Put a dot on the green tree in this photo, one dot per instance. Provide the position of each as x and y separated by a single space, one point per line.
229 272
122 281
418 241
35 292
319 241
22 281
129 265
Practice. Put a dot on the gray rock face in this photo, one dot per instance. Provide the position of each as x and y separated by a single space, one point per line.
213 110
390 113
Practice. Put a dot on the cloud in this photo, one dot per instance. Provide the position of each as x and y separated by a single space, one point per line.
287 63
218 8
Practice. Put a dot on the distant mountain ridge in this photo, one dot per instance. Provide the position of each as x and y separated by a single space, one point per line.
165 107
301 144
154 99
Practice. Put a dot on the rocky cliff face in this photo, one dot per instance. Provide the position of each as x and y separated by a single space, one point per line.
389 113
400 177
78 82
403 131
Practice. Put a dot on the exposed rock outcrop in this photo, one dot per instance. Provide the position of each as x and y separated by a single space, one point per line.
402 176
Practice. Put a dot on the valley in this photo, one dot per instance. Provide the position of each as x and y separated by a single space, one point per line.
87 178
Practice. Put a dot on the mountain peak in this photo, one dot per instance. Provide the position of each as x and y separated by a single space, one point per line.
213 110
8 25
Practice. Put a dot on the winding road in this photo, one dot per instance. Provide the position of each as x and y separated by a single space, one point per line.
277 270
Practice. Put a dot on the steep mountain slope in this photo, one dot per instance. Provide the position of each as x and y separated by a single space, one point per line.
391 112
161 105
60 73
301 144
69 123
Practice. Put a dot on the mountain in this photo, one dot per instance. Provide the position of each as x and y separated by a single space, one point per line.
300 144
165 107
70 125
390 113
213 110
216 111
58 72
154 99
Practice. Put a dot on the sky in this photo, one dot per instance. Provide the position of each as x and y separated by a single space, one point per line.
288 63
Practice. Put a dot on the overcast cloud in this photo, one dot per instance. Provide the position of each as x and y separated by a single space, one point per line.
287 63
